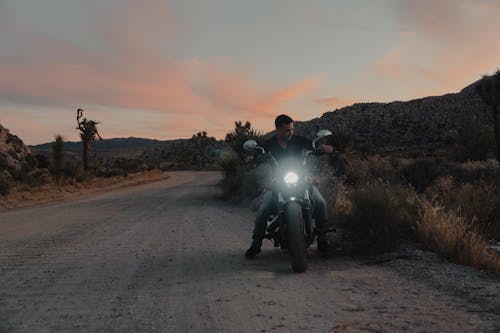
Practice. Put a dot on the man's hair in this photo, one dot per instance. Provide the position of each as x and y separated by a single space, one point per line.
282 120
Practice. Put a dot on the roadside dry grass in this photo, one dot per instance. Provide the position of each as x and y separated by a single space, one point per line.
24 196
455 211
450 234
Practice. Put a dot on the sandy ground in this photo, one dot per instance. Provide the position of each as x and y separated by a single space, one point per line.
168 257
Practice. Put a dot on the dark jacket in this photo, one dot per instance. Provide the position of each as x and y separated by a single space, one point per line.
294 149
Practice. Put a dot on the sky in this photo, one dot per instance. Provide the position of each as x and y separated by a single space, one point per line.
166 69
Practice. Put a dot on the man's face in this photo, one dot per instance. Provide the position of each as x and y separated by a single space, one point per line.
285 132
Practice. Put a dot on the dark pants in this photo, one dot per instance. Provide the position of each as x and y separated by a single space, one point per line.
269 204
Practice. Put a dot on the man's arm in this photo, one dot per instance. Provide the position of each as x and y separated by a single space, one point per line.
327 148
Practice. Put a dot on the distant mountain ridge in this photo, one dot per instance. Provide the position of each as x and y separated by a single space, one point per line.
130 147
424 122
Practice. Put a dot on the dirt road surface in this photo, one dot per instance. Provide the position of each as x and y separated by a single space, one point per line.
168 257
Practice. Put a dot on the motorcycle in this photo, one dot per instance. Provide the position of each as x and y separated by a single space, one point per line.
291 226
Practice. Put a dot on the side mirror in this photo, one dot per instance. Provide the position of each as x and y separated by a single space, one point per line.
320 135
250 144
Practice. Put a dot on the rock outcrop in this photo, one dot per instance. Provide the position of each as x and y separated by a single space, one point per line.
13 151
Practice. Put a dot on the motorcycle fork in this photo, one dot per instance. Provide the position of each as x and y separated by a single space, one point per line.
281 216
308 218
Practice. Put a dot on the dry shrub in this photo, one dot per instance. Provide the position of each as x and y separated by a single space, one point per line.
478 203
5 182
474 143
373 169
241 181
448 233
381 216
456 212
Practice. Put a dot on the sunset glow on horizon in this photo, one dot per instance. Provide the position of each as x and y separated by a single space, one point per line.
169 69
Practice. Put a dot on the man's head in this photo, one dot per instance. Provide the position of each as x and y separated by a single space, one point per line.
284 127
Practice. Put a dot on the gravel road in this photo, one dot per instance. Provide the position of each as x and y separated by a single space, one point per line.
168 257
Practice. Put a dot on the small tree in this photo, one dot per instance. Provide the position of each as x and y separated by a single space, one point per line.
203 146
88 134
489 90
57 156
242 133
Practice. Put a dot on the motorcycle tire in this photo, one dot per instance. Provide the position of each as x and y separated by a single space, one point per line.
296 237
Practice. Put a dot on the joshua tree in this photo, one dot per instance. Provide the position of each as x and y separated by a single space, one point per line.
88 133
489 90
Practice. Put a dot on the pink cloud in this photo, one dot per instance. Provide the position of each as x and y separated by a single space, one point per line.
335 102
444 45
133 72
129 70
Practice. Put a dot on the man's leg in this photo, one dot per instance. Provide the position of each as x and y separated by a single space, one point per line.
267 205
320 217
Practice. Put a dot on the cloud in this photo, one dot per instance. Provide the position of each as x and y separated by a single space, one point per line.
335 102
444 45
130 67
120 67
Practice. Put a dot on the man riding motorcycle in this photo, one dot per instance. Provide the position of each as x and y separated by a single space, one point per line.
285 145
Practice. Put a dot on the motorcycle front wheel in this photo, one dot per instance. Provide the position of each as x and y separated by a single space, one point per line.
296 236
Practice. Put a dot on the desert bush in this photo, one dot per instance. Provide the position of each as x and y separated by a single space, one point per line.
381 216
423 171
203 146
42 161
5 183
343 140
366 148
473 142
239 135
372 169
33 178
129 165
241 181
456 210
233 172
114 172
478 203
238 182
73 170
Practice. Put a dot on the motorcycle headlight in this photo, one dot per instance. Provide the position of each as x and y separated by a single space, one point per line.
291 178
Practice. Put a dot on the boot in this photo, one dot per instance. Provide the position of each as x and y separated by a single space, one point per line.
324 249
253 250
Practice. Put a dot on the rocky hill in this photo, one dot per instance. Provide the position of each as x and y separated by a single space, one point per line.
13 151
420 123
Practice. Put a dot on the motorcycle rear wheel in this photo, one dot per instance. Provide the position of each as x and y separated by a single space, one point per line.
296 236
